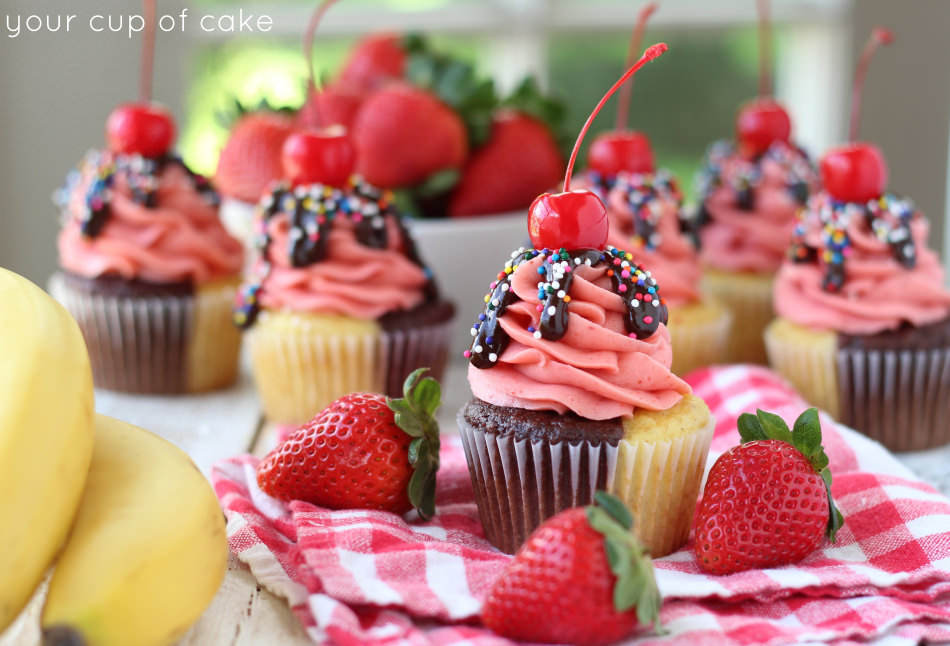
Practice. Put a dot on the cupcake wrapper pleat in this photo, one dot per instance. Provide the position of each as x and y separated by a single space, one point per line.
403 351
700 343
897 397
298 372
660 483
808 363
749 298
520 483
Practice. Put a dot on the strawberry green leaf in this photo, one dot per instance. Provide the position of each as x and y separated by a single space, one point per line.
835 519
613 506
414 415
807 432
750 428
774 426
628 560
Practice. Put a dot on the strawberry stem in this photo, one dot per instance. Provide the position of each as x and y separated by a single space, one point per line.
148 53
765 50
308 38
623 99
651 53
879 36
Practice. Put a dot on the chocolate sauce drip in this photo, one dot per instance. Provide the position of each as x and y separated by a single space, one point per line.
311 211
141 175
644 312
888 218
748 174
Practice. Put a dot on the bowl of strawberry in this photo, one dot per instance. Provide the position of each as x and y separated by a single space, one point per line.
463 162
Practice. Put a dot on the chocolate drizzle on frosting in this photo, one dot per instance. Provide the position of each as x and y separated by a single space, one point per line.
747 173
141 174
311 210
887 217
637 289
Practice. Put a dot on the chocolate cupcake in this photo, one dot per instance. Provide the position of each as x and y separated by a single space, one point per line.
573 393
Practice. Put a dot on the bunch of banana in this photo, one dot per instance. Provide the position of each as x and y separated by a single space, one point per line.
46 435
130 526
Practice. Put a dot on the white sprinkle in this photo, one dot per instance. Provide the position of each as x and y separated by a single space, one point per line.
537 334
474 331
493 357
477 349
552 310
577 261
495 302
556 284
634 302
561 293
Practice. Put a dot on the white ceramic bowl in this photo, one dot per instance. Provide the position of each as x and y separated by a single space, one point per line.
465 255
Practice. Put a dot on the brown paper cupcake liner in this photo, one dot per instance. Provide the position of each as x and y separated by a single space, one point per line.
901 398
170 344
403 351
520 483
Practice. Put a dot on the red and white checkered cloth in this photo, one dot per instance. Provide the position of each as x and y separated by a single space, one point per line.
363 577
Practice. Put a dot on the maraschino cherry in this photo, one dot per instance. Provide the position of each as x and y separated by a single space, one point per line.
326 156
622 149
577 219
762 121
856 172
144 128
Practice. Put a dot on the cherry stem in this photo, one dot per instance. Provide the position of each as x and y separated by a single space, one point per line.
652 52
879 36
765 50
315 19
636 40
148 53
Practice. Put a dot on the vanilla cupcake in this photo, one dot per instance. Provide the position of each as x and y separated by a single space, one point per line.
747 215
337 300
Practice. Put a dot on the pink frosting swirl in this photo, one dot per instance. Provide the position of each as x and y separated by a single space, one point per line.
670 256
180 238
878 292
353 279
737 239
595 370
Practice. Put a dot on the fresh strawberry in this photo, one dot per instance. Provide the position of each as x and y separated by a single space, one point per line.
332 105
364 451
520 161
250 160
767 502
582 577
374 60
404 134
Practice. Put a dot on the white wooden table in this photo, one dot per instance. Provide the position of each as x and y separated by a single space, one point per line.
226 423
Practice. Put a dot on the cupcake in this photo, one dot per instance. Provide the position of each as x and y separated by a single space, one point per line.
147 268
572 388
337 300
749 196
647 218
864 317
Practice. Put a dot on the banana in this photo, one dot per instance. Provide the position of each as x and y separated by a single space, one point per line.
148 550
46 435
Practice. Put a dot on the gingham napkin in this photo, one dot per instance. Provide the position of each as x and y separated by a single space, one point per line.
362 577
